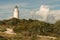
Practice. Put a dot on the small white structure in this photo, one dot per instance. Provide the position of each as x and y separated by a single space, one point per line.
16 12
9 31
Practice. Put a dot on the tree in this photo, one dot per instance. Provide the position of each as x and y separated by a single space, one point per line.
2 38
57 28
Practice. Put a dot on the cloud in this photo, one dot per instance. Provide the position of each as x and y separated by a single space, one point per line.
56 14
45 14
42 12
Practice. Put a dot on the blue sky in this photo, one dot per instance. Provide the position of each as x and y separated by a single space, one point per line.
25 7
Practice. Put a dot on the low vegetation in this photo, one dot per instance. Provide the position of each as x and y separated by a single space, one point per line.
29 29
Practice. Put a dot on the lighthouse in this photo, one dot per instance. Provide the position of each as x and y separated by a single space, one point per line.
16 12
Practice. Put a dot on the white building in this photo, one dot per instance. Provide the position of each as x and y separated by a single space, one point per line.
16 12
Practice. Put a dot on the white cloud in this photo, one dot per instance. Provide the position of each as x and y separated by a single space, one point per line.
43 12
56 14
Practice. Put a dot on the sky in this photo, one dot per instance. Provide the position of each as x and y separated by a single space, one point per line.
35 9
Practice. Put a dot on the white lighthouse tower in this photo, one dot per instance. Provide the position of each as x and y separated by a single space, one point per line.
16 12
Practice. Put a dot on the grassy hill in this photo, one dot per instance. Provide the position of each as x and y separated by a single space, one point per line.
30 28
